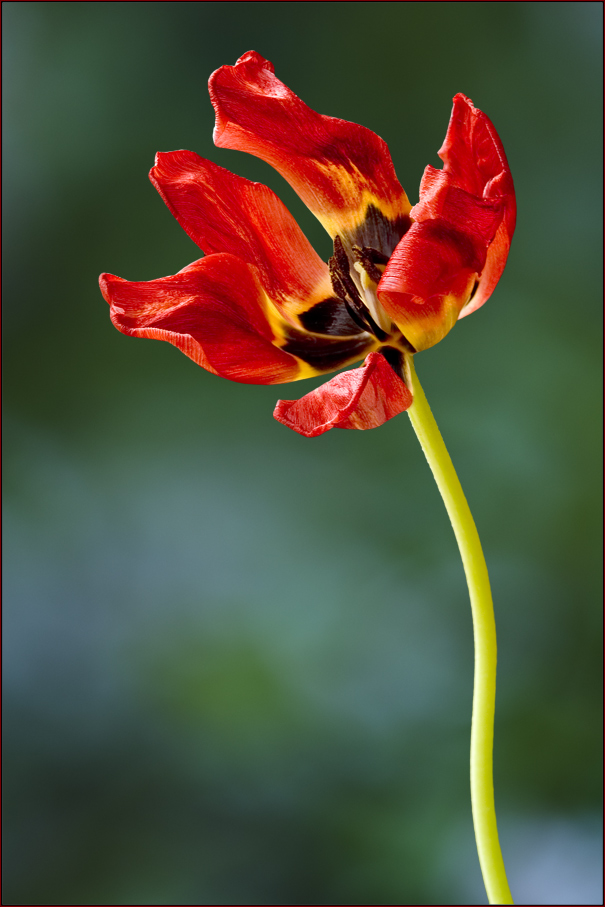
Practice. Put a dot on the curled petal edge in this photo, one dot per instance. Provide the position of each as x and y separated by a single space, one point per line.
448 264
475 160
214 311
360 398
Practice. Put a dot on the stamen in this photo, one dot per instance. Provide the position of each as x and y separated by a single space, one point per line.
342 259
345 289
340 290
377 232
368 259
343 268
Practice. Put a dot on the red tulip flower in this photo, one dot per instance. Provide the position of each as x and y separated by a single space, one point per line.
261 307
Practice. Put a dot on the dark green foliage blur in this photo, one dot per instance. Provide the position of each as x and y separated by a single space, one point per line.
238 663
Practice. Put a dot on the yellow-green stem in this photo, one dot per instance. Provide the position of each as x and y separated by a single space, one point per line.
484 627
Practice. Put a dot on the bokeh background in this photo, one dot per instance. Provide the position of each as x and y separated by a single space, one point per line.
238 663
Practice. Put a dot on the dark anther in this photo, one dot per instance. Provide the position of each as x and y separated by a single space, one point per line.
340 255
379 258
340 290
337 284
340 272
366 258
345 289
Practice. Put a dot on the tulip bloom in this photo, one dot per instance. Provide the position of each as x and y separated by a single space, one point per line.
261 307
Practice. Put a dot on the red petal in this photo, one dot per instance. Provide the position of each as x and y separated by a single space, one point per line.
362 398
449 262
474 215
472 153
213 311
338 168
428 279
222 212
474 160
495 262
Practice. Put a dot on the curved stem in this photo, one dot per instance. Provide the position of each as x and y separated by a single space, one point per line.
484 628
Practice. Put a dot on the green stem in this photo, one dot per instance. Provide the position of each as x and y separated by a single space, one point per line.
484 626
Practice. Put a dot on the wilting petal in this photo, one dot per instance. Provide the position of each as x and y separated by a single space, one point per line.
222 212
474 160
339 169
449 262
217 313
362 398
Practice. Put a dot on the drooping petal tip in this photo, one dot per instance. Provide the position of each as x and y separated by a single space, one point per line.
360 398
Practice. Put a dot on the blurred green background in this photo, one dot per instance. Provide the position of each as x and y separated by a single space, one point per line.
238 663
